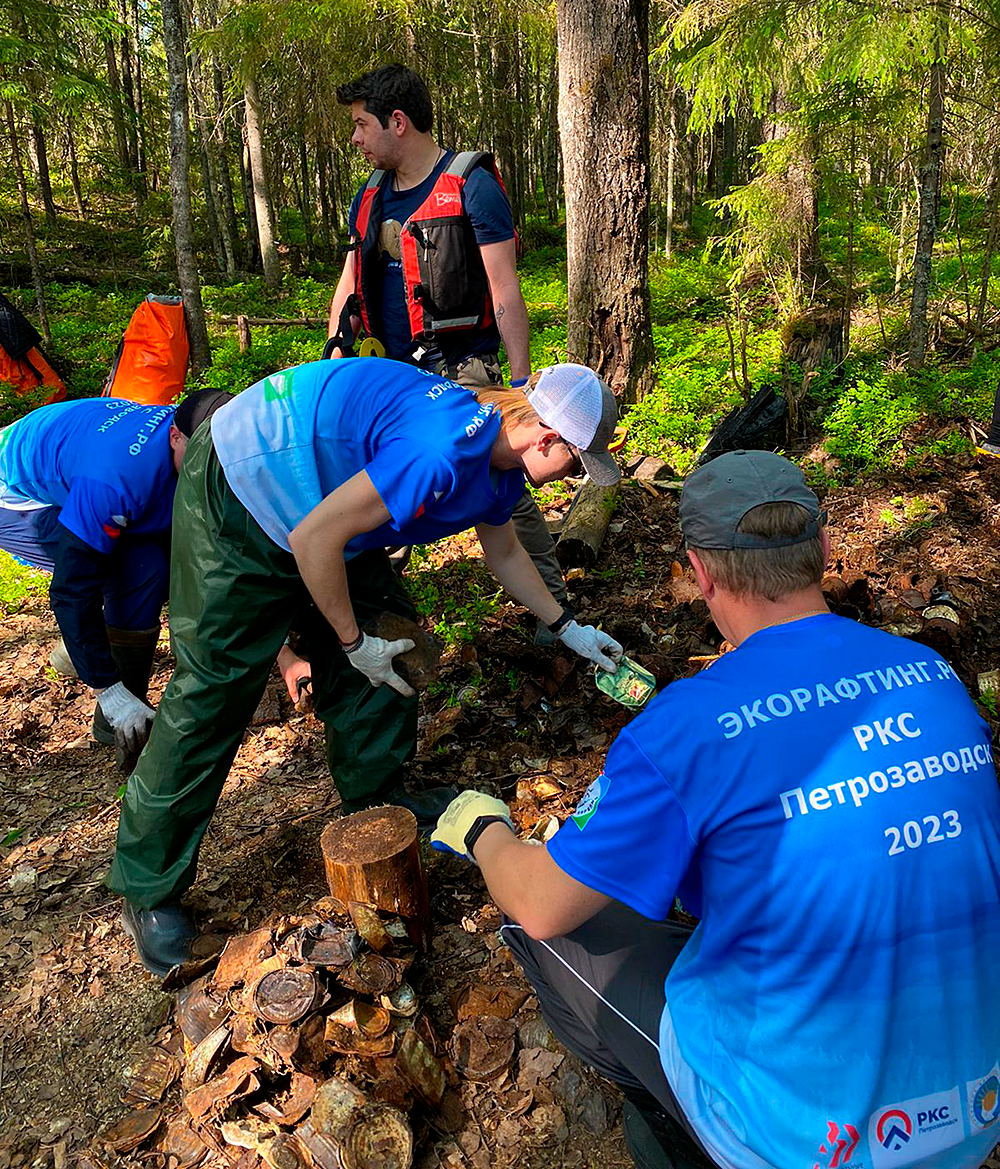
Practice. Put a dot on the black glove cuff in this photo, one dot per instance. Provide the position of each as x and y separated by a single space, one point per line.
560 623
478 826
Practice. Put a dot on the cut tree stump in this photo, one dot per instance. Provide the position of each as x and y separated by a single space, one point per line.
585 524
373 856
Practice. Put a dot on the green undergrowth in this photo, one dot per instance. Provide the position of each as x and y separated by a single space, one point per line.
868 413
18 583
879 421
458 597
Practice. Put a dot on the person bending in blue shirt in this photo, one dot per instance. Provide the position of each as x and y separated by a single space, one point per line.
86 493
432 269
824 799
283 512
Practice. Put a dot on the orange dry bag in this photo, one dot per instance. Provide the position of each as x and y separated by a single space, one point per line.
22 363
152 358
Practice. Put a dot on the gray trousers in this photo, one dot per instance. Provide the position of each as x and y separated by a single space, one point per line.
600 989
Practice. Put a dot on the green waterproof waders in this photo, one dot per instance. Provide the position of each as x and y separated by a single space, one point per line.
234 594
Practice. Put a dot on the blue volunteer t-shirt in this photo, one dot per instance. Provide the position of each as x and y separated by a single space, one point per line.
425 442
486 205
106 462
825 799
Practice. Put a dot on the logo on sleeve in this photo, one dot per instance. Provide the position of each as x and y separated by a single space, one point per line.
894 1130
838 1148
914 1129
278 385
591 798
984 1099
114 529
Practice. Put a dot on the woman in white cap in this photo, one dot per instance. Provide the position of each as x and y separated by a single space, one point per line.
284 510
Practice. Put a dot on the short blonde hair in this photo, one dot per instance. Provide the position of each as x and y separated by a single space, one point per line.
514 407
768 572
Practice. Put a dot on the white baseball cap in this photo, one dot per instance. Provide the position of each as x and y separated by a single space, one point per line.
574 401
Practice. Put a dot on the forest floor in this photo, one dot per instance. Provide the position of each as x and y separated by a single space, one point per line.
527 724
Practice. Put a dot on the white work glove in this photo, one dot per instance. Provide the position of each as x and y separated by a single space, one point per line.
129 717
589 642
373 658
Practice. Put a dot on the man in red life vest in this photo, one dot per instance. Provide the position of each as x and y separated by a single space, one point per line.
432 267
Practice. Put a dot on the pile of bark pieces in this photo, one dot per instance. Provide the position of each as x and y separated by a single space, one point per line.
302 1045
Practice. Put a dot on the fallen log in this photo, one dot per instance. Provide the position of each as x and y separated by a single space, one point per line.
17 274
585 525
277 322
373 857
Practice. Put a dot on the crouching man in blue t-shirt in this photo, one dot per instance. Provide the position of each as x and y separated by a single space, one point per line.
824 799
86 493
283 511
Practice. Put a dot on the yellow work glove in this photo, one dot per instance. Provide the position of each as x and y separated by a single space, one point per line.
457 821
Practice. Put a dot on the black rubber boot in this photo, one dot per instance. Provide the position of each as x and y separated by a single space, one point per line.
162 936
656 1141
132 651
427 805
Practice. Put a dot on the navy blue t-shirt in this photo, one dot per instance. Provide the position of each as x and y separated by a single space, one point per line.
486 205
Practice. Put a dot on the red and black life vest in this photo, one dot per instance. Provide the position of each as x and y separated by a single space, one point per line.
443 274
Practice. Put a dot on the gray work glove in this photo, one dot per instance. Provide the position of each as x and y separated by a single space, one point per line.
373 658
129 717
589 642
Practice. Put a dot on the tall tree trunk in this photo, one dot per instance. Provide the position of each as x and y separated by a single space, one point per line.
223 125
992 209
604 97
180 190
849 295
261 192
904 221
223 260
306 186
74 170
334 188
930 182
553 156
128 94
668 231
322 190
29 231
249 209
117 116
505 129
138 95
41 154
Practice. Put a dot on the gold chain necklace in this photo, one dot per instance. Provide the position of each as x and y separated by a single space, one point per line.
794 617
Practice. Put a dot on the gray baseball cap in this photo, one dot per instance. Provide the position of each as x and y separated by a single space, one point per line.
719 494
574 401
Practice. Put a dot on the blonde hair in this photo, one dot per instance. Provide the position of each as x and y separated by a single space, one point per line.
514 407
768 572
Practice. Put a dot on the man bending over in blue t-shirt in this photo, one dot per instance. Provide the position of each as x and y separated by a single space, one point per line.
824 799
86 493
284 508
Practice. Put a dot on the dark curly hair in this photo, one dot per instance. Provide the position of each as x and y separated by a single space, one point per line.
388 88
